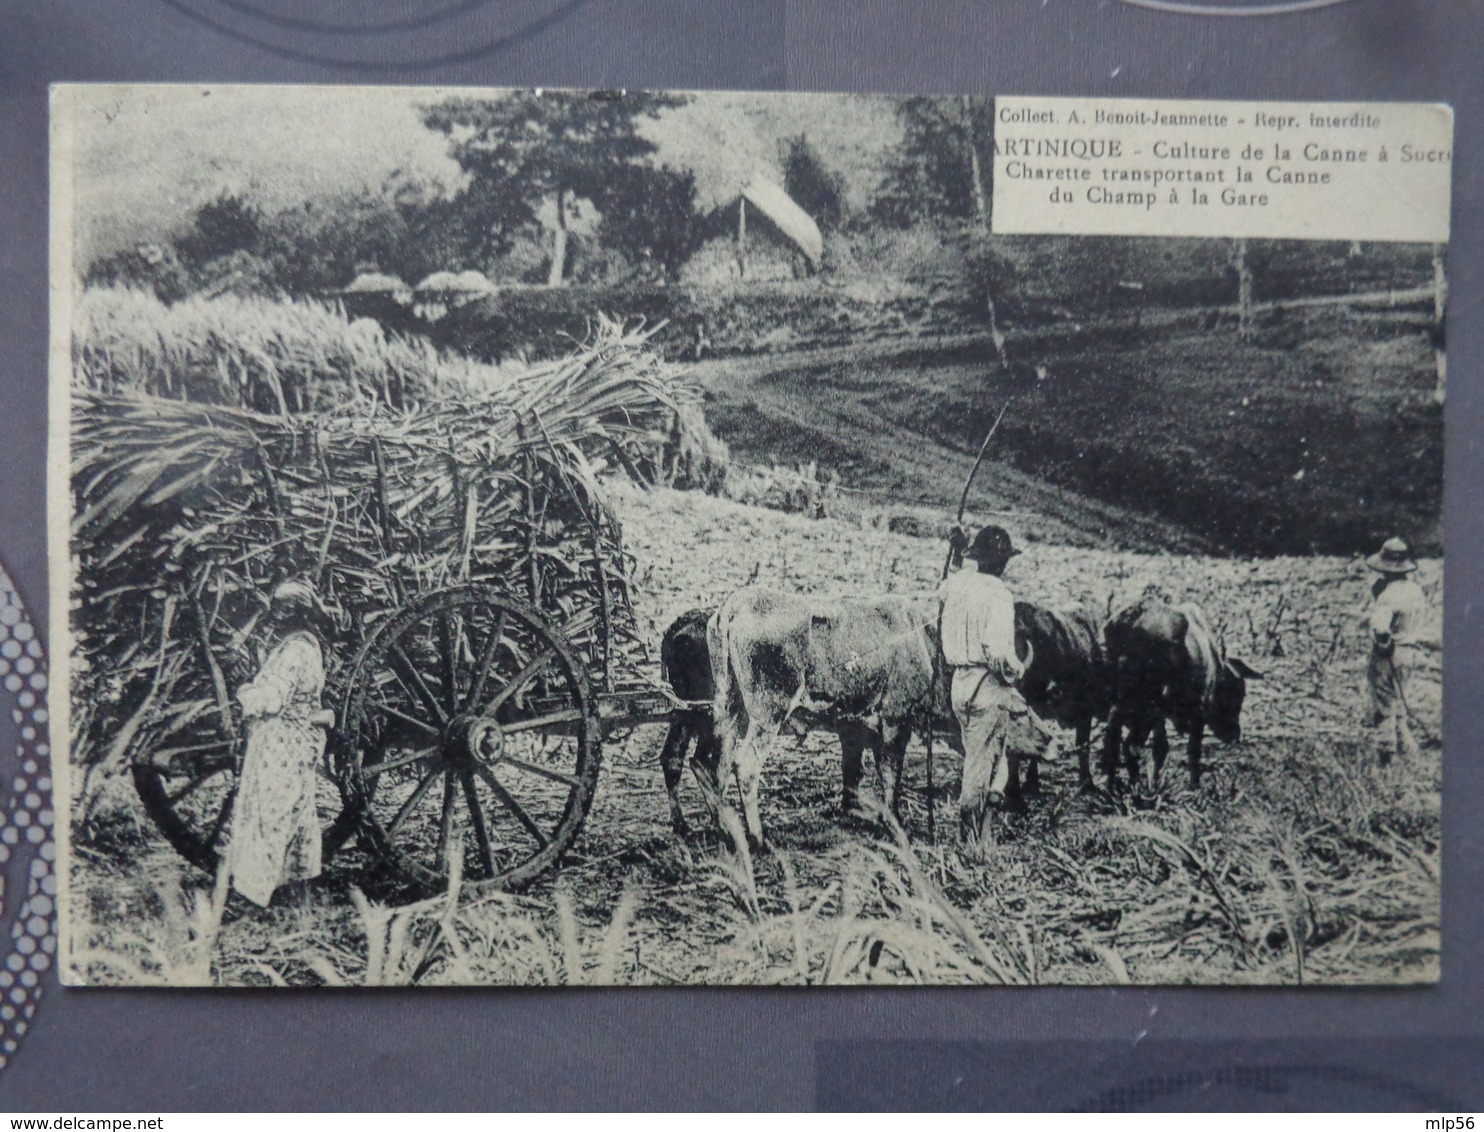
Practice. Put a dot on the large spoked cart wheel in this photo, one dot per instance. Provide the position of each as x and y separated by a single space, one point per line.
472 737
188 794
190 789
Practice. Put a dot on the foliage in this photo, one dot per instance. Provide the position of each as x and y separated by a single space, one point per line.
800 490
149 267
531 148
931 175
884 922
650 218
269 357
815 189
220 227
404 228
177 948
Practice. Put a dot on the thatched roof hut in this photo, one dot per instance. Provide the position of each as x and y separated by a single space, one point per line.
441 291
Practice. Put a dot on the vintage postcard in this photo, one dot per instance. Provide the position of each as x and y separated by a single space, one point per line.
535 537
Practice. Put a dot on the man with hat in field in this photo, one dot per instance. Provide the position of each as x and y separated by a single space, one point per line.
1395 618
978 638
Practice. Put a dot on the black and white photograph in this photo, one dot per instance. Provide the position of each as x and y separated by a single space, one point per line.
555 537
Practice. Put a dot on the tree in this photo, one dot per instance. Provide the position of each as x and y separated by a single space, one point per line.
652 221
150 267
813 188
220 227
943 167
403 226
532 147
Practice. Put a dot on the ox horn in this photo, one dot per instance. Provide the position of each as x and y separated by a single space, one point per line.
1030 654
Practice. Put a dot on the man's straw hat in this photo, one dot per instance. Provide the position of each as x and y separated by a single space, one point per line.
1394 557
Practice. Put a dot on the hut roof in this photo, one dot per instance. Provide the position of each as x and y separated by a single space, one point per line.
474 282
437 283
375 283
451 283
796 224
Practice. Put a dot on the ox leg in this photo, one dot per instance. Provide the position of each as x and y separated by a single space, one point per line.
705 761
748 770
1029 739
1193 752
741 759
733 745
895 752
1138 735
672 762
879 744
1161 749
1112 741
1084 753
1130 754
852 766
1015 790
1032 784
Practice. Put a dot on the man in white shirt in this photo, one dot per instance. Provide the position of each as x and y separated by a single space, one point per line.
1396 618
978 637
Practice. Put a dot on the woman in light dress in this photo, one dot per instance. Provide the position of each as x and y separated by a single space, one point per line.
275 830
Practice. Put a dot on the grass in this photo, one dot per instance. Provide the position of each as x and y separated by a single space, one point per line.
1272 874
1318 435
802 490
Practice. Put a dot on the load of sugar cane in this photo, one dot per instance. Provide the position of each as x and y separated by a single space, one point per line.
220 448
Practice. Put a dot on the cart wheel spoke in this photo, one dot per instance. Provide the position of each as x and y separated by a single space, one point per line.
188 796
416 797
572 715
451 636
544 772
519 681
509 802
417 756
413 721
194 784
221 820
445 826
413 680
481 831
486 660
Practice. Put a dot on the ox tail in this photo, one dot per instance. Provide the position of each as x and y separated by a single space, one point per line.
731 707
719 646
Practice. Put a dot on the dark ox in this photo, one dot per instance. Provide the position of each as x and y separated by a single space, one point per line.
863 668
1068 679
685 660
1167 665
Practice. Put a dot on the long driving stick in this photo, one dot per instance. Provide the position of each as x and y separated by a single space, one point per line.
963 500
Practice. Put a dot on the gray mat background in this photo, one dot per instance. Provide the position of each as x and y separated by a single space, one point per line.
164 1051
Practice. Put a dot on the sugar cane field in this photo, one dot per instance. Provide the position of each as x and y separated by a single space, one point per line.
828 469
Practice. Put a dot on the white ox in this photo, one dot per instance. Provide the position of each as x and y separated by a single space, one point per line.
868 669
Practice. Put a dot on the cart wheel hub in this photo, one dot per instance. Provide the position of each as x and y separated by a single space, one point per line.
486 741
470 739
